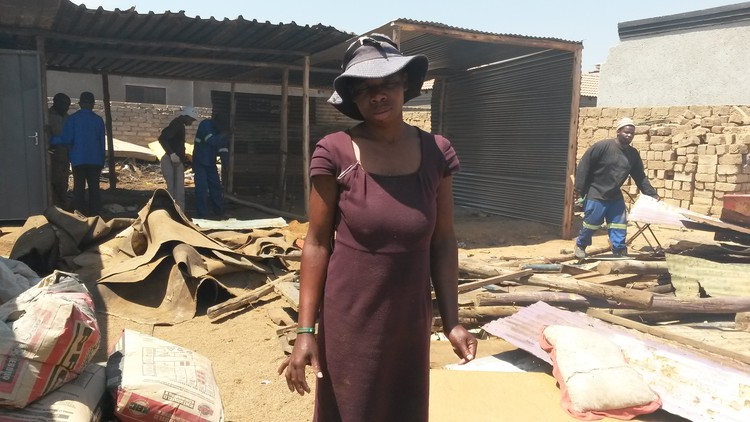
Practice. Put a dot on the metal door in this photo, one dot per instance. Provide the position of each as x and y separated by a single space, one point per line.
23 172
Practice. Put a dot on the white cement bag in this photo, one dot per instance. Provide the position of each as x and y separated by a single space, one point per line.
78 400
48 335
153 380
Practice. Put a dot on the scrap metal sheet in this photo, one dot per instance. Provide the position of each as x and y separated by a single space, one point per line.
690 384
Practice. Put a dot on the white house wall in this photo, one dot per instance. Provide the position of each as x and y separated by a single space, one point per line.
179 92
693 67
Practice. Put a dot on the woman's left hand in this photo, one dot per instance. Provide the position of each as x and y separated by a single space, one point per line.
464 344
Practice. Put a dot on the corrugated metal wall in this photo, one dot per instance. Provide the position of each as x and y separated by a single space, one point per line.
257 139
509 124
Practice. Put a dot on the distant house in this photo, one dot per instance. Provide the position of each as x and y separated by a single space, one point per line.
589 88
694 58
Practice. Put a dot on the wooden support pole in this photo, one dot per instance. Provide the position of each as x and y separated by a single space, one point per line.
306 132
575 99
110 137
698 305
637 298
44 131
633 266
487 311
571 256
283 141
232 122
661 303
528 298
477 267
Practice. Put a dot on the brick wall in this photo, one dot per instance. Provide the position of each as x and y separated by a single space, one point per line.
693 155
141 124
418 118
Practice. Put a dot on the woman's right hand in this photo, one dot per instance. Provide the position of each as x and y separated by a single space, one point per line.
305 352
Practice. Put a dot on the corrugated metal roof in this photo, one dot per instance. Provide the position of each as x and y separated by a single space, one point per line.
403 21
453 50
590 84
722 15
717 275
169 45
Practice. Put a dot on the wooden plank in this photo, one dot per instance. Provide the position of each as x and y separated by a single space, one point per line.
611 279
504 275
595 277
247 299
290 292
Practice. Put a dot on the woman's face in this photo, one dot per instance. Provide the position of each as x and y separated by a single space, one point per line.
381 98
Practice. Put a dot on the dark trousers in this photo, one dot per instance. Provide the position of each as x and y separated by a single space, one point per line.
86 174
59 174
207 190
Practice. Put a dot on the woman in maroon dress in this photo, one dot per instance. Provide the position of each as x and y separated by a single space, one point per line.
380 231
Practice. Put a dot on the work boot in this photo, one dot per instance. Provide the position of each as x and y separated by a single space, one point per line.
580 252
620 253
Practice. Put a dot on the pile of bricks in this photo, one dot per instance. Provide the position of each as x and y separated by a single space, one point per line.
693 155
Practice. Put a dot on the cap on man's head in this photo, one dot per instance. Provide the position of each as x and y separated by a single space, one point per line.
626 121
190 112
86 98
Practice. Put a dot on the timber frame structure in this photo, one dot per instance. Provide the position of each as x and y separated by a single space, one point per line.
508 103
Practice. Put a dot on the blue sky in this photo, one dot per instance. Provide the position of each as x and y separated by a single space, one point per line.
594 22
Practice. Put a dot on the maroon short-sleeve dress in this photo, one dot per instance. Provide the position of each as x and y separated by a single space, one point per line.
376 310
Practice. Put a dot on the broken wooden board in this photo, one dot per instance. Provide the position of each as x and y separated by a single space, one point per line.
289 291
503 275
607 279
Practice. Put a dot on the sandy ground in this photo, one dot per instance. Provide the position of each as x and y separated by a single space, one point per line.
244 348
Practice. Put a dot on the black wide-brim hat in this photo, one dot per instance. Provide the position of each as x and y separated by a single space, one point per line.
371 57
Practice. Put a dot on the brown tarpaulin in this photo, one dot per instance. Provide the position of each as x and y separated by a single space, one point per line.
159 268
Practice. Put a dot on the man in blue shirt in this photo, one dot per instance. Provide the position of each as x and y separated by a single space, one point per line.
211 141
84 133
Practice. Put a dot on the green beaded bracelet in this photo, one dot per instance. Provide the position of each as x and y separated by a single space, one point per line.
305 330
